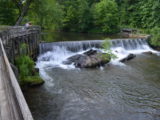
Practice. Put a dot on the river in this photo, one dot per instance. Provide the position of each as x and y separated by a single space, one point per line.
116 91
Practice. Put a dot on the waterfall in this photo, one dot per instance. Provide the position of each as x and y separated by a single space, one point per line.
75 46
130 44
53 54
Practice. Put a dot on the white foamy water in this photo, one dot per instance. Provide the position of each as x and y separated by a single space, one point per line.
55 58
130 92
60 52
122 53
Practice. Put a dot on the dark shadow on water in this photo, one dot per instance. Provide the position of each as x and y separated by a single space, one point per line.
68 36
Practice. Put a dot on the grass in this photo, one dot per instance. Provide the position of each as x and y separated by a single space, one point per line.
27 74
35 80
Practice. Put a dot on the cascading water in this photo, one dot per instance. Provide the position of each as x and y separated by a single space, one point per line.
73 46
53 54
128 91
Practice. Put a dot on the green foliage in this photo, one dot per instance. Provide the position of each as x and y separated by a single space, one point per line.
23 49
106 16
7 12
77 17
33 80
139 13
106 45
155 40
95 16
46 13
25 65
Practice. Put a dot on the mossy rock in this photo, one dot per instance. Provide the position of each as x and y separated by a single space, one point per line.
89 59
32 81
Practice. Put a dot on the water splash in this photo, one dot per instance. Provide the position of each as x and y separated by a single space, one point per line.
53 54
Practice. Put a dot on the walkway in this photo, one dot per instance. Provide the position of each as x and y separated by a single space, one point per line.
12 103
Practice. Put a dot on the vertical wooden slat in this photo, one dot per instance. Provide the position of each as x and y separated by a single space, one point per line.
14 106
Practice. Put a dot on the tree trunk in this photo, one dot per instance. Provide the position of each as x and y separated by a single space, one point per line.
23 12
19 5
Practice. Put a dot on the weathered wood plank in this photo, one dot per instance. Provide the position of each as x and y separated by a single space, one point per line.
12 103
13 37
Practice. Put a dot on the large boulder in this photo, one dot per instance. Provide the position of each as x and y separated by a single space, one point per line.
89 59
129 57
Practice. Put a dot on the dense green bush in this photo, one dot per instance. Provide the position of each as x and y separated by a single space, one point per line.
106 45
155 39
77 17
25 65
139 13
106 16
46 13
27 73
7 13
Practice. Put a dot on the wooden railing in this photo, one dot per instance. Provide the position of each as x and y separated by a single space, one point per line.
14 104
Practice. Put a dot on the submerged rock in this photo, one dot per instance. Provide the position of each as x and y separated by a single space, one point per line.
89 59
148 52
72 59
90 52
129 57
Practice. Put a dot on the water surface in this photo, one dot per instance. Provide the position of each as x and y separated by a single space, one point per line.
49 36
114 92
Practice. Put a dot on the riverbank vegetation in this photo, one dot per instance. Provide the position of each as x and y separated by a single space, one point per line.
89 16
155 40
27 73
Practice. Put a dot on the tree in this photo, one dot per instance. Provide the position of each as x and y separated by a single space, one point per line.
46 13
77 16
150 10
84 16
155 39
70 16
106 16
139 13
7 12
23 7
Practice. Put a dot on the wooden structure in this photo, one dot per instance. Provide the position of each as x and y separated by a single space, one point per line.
13 37
13 105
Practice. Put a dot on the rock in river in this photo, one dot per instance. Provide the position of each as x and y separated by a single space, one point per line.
129 57
89 59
